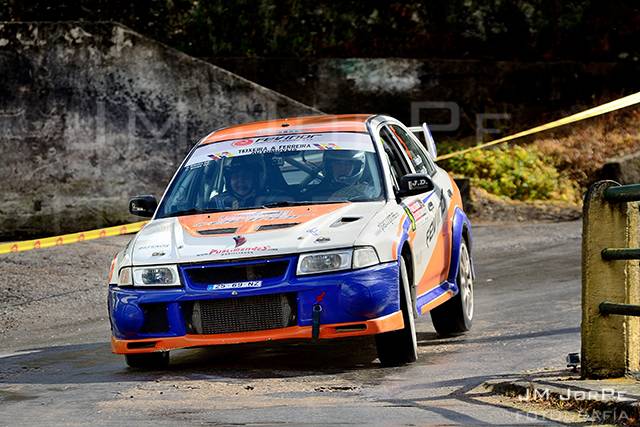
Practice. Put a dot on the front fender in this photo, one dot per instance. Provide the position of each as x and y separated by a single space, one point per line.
460 223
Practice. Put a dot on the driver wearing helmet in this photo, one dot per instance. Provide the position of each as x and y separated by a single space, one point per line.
343 172
244 177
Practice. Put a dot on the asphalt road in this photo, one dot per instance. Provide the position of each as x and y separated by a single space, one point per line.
56 366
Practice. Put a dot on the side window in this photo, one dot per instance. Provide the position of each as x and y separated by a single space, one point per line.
398 165
419 158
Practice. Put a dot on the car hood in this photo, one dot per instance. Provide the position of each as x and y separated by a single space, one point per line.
251 233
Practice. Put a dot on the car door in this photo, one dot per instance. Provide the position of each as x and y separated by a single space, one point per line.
432 234
415 207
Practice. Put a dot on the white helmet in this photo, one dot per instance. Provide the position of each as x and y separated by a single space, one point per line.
355 158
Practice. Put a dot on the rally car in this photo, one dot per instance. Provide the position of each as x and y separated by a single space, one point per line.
306 228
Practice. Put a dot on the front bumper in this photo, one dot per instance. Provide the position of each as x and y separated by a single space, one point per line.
358 302
387 323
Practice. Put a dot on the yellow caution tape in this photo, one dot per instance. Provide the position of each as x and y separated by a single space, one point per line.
67 239
592 112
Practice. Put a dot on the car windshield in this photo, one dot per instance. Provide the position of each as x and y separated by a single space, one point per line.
271 171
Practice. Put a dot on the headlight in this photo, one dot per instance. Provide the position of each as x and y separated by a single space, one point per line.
160 275
324 262
365 257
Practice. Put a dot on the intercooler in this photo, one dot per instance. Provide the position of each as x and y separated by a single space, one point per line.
243 314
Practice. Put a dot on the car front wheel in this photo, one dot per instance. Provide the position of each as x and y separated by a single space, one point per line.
400 347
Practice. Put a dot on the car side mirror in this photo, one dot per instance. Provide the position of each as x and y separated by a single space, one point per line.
415 183
143 205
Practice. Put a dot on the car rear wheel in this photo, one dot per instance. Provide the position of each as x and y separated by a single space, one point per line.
456 315
400 347
158 360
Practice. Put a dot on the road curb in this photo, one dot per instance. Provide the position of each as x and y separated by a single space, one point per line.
605 404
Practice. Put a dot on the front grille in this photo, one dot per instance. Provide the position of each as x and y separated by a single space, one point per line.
245 314
202 276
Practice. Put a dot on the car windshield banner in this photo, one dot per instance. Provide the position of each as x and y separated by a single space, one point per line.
282 144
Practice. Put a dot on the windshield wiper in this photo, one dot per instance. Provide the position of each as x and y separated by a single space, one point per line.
297 203
192 211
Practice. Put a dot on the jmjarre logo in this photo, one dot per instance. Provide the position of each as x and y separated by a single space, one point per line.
614 415
568 394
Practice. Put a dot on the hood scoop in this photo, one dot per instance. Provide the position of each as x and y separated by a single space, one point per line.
268 227
214 231
345 220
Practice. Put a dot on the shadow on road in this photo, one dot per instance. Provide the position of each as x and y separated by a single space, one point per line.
94 363
426 339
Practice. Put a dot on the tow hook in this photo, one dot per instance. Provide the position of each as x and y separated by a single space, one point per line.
315 328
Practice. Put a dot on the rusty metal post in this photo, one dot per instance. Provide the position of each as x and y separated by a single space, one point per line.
609 342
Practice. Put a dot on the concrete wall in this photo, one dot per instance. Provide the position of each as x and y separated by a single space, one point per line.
91 114
531 92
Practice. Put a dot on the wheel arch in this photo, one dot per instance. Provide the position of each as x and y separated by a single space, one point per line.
461 230
407 254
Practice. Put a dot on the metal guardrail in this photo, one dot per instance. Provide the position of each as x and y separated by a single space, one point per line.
623 193
611 281
607 308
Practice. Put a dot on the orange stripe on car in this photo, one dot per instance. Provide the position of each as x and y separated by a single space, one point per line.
436 302
310 124
249 221
436 271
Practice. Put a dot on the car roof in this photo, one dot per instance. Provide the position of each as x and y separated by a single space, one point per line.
305 124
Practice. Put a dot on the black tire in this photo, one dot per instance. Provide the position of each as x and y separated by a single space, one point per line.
148 361
400 347
456 315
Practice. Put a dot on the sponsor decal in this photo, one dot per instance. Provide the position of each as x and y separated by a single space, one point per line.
282 143
411 218
387 221
141 248
249 250
250 217
320 297
283 131
443 203
327 146
282 148
431 232
242 142
235 285
288 138
417 183
313 231
219 156
240 240
417 209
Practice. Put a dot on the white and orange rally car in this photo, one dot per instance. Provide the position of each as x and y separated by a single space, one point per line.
305 228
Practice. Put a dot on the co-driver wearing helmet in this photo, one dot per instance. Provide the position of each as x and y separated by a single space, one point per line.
343 172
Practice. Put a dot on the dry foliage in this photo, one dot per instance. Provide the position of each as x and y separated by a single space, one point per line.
582 152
